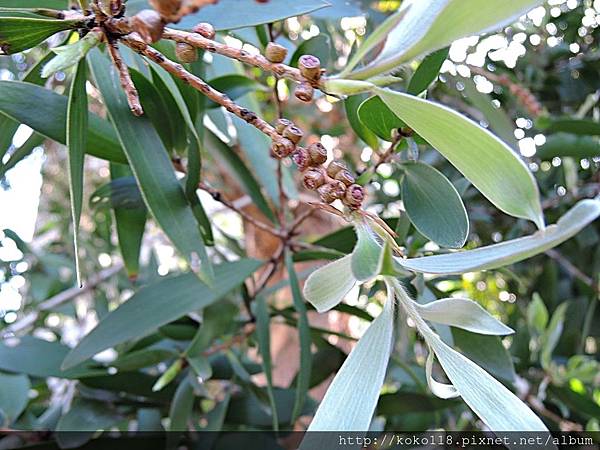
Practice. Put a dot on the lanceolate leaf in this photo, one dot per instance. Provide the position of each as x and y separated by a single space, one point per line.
351 105
428 26
378 117
484 160
46 112
21 33
351 398
130 222
366 257
77 125
462 313
69 55
153 170
427 71
156 305
321 292
303 380
509 252
434 206
13 395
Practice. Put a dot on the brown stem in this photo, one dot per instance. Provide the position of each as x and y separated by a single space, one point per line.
133 98
135 43
196 40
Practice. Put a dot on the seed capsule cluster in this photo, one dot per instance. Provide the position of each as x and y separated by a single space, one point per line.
334 182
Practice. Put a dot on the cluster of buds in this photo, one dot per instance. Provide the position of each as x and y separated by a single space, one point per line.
334 182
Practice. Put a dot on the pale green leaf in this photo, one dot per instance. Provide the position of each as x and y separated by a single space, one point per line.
486 161
69 55
366 257
462 313
321 292
509 252
352 396
428 26
14 394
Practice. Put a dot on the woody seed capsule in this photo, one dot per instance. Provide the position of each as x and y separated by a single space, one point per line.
304 92
334 167
345 177
185 52
318 154
310 67
293 133
166 8
282 124
313 178
282 148
301 158
148 24
205 30
275 53
331 191
354 196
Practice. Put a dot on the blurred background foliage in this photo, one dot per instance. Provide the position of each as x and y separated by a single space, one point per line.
535 85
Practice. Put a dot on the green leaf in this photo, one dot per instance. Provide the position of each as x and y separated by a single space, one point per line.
585 127
303 380
70 55
263 335
85 417
35 140
235 86
549 339
51 4
351 104
250 13
537 315
318 46
486 351
350 401
46 112
130 223
142 358
563 144
321 292
427 71
366 257
168 375
428 26
77 125
153 170
39 358
14 396
156 305
482 158
181 406
433 205
21 33
462 313
509 252
380 119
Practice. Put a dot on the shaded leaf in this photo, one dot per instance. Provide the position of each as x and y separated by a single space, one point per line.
351 104
21 33
380 119
321 292
427 71
14 396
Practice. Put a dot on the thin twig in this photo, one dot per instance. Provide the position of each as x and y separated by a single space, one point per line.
135 43
267 274
216 195
196 40
133 98
571 268
61 298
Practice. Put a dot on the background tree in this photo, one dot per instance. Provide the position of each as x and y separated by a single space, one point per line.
227 152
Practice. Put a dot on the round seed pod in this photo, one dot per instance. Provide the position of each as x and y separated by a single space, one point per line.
334 167
205 30
275 53
345 177
148 25
304 92
310 67
302 158
185 52
282 124
166 8
331 191
293 133
354 196
318 154
282 148
313 179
